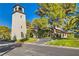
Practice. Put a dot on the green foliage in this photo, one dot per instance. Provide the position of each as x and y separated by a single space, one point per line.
4 33
70 36
69 7
76 36
23 40
29 31
71 23
41 22
54 10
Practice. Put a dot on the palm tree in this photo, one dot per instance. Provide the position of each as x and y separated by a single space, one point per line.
71 22
69 7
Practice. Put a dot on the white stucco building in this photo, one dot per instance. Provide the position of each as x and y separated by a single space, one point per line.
18 23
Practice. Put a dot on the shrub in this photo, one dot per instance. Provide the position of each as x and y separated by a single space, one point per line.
22 40
71 36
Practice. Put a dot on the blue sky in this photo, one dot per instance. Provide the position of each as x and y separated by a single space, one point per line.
6 10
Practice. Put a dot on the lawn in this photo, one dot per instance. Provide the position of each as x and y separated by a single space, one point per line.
29 40
64 42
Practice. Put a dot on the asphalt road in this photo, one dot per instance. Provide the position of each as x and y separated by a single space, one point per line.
41 50
5 47
37 49
4 42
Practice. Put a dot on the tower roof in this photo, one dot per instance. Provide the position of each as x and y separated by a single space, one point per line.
18 8
17 4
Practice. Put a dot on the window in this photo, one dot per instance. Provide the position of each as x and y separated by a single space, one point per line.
21 26
22 35
20 9
20 16
15 9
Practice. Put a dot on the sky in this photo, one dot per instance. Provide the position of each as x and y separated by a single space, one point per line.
6 10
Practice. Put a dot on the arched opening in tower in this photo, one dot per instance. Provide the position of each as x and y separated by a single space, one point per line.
22 34
20 9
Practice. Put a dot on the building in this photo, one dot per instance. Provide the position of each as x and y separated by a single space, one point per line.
18 23
61 33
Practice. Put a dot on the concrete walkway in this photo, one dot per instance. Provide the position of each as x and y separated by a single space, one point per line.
42 40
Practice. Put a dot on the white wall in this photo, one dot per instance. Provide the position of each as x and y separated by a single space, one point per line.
17 22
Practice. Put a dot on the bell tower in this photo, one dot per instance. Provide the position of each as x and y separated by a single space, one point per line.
18 23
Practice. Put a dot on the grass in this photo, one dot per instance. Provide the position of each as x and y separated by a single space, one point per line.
29 40
64 42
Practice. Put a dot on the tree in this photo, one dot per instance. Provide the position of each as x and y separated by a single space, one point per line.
69 7
39 25
54 12
4 33
57 13
40 22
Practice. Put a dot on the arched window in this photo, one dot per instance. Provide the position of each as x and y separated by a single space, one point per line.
20 9
21 26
